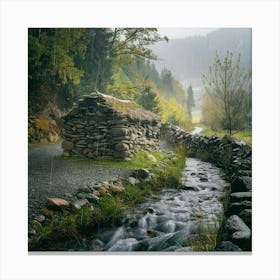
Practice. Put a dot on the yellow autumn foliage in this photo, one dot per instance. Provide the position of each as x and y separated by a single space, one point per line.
212 112
42 124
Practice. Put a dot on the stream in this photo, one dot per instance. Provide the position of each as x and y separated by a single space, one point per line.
197 130
172 221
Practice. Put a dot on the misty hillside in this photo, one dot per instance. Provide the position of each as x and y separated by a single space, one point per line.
189 58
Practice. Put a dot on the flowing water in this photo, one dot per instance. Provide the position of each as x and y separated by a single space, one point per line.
179 216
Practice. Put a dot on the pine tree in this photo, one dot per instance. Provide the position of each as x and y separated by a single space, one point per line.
190 101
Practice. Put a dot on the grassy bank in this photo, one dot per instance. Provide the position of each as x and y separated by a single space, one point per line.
244 135
69 228
143 159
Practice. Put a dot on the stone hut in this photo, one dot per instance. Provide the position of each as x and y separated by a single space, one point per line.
104 127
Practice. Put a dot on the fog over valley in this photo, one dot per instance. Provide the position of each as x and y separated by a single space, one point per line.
190 57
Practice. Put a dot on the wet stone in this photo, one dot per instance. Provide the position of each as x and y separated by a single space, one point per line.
133 181
241 196
142 173
237 207
40 218
116 189
95 186
227 246
242 184
246 216
83 190
92 198
57 203
237 232
36 224
81 195
80 203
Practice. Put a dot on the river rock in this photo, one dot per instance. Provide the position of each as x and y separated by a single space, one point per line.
92 198
246 216
84 190
57 203
96 193
36 224
237 207
227 246
80 203
40 218
242 184
116 189
81 195
46 212
133 181
95 186
142 173
96 245
241 196
102 190
247 173
237 232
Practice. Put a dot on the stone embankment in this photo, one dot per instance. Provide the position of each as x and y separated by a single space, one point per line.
235 157
101 126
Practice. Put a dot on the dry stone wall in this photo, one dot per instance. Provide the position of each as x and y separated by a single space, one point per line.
101 126
235 157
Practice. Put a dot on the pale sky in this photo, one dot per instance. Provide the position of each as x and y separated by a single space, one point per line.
173 33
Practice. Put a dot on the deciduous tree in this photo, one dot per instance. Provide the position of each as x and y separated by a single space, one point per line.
229 88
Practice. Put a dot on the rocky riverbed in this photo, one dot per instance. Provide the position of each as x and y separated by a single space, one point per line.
175 221
184 219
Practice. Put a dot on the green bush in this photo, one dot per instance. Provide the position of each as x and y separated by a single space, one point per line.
109 210
133 195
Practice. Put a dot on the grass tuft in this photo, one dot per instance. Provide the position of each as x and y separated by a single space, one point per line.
244 135
139 160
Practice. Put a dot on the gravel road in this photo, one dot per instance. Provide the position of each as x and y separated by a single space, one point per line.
51 175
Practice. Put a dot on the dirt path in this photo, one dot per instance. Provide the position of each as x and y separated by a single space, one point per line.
50 175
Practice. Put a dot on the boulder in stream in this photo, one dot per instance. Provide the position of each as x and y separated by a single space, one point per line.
227 246
237 232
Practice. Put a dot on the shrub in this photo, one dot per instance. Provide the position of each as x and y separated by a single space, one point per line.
133 195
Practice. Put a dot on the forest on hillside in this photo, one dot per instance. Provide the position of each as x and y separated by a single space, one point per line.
66 63
218 66
141 65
